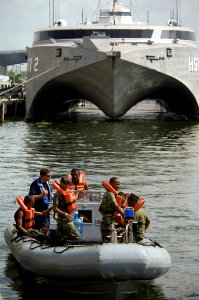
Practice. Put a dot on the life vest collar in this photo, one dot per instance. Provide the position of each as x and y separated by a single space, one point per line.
69 196
109 187
80 184
138 204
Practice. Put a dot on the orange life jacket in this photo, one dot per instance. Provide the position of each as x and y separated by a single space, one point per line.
109 188
138 204
29 213
69 196
81 183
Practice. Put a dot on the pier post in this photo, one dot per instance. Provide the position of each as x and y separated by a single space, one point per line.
1 112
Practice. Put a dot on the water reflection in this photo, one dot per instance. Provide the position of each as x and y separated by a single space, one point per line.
139 149
26 285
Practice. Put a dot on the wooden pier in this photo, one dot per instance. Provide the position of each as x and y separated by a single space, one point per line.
13 107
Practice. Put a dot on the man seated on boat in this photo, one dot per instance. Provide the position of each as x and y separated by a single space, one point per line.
24 218
108 208
140 217
63 205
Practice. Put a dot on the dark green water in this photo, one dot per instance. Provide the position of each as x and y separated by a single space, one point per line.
156 159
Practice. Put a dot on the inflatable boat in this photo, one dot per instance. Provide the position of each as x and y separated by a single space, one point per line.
89 258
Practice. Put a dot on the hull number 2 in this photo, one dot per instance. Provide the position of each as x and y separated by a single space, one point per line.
32 64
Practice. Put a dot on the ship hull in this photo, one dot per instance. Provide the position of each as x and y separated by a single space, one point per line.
114 78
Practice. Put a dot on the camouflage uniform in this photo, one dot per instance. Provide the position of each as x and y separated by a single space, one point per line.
66 230
141 218
107 208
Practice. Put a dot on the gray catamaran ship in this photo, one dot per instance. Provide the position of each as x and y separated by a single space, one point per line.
113 63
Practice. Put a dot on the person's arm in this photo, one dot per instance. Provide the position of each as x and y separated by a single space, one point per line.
100 209
38 214
42 195
41 214
120 210
47 210
116 206
147 223
61 212
34 192
76 194
20 227
86 187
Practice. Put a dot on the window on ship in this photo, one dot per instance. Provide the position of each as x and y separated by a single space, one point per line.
79 33
177 34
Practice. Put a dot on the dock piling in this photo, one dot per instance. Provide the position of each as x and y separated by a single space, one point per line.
1 112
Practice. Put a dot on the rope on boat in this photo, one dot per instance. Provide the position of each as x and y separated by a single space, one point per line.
69 243
37 244
63 250
156 244
153 243
25 239
32 78
75 244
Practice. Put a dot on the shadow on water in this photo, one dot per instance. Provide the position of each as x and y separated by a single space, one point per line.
27 285
147 109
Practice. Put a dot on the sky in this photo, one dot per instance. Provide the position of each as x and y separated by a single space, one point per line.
20 18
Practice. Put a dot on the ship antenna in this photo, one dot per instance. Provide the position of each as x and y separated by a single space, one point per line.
96 12
49 14
53 10
131 7
113 11
178 14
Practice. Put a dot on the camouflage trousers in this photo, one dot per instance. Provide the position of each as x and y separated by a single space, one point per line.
106 227
66 230
40 235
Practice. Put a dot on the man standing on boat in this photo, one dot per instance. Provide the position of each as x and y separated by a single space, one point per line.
63 205
41 191
78 180
78 183
108 207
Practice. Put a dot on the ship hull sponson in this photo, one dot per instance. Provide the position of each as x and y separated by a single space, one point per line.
112 80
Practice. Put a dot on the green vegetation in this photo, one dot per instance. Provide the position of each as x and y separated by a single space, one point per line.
17 78
43 124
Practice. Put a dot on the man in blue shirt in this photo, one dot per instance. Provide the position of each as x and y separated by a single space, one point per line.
41 191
